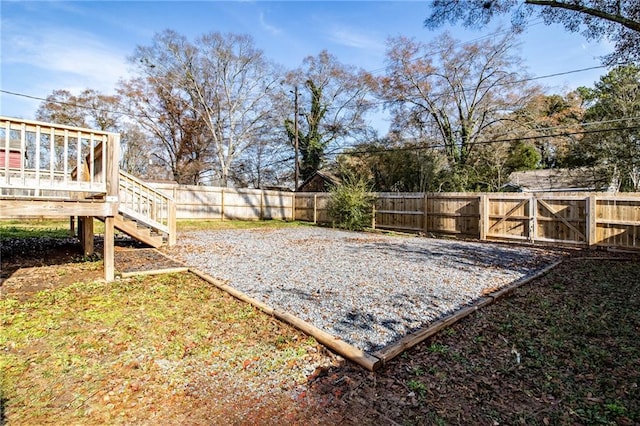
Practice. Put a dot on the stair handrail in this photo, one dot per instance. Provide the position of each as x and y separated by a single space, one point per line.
138 197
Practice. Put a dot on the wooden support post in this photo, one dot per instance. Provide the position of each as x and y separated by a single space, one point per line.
484 216
85 228
72 225
79 230
591 221
108 255
173 237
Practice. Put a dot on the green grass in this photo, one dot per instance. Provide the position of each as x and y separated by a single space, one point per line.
196 225
59 228
38 228
33 228
67 355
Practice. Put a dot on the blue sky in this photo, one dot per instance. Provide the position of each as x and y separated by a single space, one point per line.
76 45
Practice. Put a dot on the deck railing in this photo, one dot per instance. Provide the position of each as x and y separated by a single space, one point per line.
145 204
46 160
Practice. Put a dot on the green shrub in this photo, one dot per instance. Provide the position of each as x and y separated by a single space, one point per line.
351 205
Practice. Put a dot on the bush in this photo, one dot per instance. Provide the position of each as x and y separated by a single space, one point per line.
351 205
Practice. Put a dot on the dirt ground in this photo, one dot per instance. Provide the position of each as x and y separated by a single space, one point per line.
36 264
560 350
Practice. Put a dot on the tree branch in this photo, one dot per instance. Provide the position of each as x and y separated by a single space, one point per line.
629 23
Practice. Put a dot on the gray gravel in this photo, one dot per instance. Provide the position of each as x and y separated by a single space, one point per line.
367 289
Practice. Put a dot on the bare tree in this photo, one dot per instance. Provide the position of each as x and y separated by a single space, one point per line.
169 120
334 99
223 80
452 95
89 109
94 110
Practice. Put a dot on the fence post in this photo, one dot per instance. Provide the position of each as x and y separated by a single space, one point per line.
222 204
484 216
293 206
425 225
373 215
533 219
591 222
315 209
261 214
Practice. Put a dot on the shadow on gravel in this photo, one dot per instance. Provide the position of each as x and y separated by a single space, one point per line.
519 259
298 293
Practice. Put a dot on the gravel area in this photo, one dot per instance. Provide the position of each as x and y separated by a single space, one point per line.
367 289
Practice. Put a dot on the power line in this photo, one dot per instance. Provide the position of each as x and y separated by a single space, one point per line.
71 104
494 141
409 99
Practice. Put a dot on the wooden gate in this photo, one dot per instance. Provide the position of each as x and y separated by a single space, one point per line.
543 218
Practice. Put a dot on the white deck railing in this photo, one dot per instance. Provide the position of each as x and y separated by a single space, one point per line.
52 161
146 204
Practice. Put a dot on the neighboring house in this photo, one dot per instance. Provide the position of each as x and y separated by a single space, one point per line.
558 180
319 181
15 154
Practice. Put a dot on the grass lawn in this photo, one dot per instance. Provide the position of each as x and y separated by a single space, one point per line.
59 228
147 349
563 349
195 225
51 228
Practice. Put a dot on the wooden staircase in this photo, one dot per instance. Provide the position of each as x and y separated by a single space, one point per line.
139 232
144 213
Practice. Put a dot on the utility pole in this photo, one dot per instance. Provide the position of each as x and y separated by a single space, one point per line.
295 131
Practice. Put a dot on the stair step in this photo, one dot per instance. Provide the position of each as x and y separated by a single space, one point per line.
140 233
158 239
144 231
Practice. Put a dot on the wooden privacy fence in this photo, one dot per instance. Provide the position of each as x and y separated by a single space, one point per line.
215 203
582 219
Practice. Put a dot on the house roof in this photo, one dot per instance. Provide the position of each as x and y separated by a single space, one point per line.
557 180
321 174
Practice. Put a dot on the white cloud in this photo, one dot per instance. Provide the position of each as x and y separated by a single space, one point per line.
270 28
79 58
351 38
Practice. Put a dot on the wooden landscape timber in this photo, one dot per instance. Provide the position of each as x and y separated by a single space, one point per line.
176 270
375 360
388 353
341 347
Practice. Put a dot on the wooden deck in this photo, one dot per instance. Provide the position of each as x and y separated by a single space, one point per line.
49 170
